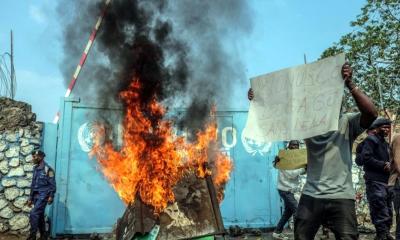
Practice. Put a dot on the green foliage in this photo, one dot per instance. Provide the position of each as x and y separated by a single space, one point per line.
373 50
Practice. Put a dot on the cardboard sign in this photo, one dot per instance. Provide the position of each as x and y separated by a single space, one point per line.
296 103
292 159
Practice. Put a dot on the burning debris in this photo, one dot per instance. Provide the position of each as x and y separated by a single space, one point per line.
153 159
194 213
158 174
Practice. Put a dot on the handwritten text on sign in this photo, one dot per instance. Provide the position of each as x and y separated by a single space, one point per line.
296 103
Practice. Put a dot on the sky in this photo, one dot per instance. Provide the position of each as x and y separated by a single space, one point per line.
283 31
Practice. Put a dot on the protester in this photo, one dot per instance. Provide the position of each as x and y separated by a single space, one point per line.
43 188
328 196
394 183
288 181
375 159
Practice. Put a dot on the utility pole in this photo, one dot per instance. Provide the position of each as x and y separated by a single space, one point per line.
12 67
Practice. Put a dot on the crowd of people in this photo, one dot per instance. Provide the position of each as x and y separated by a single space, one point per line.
328 196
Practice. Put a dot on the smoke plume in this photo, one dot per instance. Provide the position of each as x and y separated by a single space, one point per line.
182 52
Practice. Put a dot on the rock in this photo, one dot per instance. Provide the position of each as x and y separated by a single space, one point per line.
20 202
22 183
14 162
35 141
36 136
24 231
27 133
15 209
38 126
12 137
3 145
24 142
19 221
27 150
8 182
1 156
28 158
28 167
13 152
6 212
12 193
21 132
27 191
16 172
29 176
4 167
3 203
3 227
26 209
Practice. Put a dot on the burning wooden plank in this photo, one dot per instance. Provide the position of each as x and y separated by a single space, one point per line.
194 213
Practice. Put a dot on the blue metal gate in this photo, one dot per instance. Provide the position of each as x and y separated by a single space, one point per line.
86 203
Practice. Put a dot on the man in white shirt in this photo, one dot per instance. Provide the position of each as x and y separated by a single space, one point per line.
288 181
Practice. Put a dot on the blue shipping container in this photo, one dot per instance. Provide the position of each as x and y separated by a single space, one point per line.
86 203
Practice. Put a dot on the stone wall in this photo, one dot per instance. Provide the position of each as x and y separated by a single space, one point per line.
20 134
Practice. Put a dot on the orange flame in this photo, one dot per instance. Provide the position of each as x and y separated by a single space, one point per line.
153 159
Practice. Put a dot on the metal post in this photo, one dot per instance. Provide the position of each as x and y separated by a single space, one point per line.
379 88
12 67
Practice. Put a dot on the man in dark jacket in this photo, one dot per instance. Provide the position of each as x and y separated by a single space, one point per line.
376 161
43 188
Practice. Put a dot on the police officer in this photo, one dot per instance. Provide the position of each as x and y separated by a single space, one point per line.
43 188
374 157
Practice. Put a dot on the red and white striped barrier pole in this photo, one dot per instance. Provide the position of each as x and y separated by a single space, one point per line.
84 56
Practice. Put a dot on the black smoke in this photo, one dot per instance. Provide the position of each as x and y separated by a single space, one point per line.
180 50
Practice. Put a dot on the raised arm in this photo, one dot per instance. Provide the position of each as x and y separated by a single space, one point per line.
364 103
395 150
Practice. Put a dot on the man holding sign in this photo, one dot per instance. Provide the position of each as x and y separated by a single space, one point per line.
328 196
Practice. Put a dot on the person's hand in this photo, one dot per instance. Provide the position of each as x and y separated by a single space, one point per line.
50 200
29 203
250 94
387 167
347 73
277 159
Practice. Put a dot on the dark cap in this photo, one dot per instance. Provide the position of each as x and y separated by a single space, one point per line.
379 122
294 142
39 152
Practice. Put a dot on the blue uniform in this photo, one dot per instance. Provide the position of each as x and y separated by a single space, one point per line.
43 186
374 155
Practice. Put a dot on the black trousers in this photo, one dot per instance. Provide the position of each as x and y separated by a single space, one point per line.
380 206
290 209
339 215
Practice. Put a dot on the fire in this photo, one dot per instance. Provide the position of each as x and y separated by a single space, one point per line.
153 159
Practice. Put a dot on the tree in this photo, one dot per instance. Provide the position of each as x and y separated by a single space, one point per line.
373 49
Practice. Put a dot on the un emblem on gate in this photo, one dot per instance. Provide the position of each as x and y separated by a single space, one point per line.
253 147
87 133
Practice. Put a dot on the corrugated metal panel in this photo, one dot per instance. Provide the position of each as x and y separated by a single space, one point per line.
85 202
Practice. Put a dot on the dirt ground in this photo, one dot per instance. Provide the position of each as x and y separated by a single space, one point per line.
263 236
